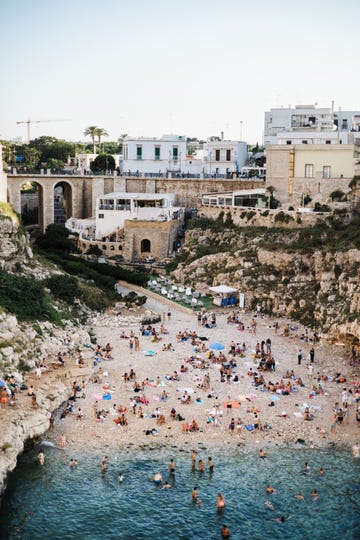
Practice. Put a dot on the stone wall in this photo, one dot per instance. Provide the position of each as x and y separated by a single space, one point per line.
161 234
244 217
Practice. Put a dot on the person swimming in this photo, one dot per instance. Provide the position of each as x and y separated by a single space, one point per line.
270 489
299 496
269 505
120 477
225 532
41 457
157 478
282 519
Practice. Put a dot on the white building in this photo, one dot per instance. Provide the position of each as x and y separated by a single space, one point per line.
113 209
306 124
154 155
224 157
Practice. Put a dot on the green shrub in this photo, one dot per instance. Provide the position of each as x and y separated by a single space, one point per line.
24 297
64 287
23 366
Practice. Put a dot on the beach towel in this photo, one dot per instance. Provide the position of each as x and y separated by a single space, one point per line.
156 398
198 401
234 404
249 427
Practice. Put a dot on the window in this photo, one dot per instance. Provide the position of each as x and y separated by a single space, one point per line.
157 152
217 155
309 170
304 142
228 155
175 153
139 152
327 142
288 142
326 171
101 216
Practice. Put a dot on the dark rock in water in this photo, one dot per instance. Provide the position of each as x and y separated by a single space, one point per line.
300 441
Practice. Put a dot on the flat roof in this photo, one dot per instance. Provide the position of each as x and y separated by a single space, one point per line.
137 196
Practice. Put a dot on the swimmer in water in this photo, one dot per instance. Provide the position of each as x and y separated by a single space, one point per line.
103 464
262 454
157 478
120 477
201 466
270 489
193 459
282 519
73 463
194 494
269 505
321 471
299 496
225 532
41 457
220 502
211 465
306 468
172 466
166 485
314 495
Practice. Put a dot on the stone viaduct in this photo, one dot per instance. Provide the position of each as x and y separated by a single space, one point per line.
80 192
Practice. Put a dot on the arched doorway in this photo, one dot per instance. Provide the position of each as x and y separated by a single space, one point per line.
31 205
62 202
145 246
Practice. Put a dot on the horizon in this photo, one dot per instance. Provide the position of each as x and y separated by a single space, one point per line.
155 68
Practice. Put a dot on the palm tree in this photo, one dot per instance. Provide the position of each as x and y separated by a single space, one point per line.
101 132
92 131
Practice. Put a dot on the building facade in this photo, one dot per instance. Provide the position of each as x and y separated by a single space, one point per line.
307 124
297 171
224 157
153 155
133 225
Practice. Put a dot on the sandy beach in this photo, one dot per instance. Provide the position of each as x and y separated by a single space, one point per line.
280 417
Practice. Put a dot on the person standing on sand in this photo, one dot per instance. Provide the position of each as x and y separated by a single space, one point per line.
52 422
299 357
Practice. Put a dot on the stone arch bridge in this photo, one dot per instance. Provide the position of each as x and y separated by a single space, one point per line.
80 192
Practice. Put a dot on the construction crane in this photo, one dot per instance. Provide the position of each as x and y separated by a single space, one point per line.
28 122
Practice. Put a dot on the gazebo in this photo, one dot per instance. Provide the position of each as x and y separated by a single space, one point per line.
224 295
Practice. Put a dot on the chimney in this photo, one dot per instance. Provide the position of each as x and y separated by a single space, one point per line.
222 135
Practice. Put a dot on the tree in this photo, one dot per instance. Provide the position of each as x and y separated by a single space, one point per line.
101 132
121 141
53 148
92 132
103 163
32 156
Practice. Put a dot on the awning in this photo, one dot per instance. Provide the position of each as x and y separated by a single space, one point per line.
222 289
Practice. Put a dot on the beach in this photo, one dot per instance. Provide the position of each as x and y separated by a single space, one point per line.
234 412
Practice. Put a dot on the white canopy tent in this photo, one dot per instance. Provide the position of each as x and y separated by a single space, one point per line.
224 295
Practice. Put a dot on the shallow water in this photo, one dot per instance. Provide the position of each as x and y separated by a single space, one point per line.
54 501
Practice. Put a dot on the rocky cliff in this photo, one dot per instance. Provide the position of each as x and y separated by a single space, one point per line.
307 275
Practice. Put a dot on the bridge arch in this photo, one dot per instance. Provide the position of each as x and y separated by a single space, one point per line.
32 204
63 202
145 246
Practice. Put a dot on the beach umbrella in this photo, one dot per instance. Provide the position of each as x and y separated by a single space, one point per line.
217 346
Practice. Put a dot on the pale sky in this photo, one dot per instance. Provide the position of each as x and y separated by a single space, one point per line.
191 67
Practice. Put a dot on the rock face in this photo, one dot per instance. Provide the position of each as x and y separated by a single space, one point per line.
14 246
319 288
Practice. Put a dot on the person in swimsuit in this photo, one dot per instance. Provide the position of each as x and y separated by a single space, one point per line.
172 466
41 457
157 478
211 465
220 502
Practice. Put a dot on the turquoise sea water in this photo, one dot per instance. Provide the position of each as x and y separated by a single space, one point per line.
56 502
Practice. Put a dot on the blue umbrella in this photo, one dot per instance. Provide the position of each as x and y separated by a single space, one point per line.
217 346
2 383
